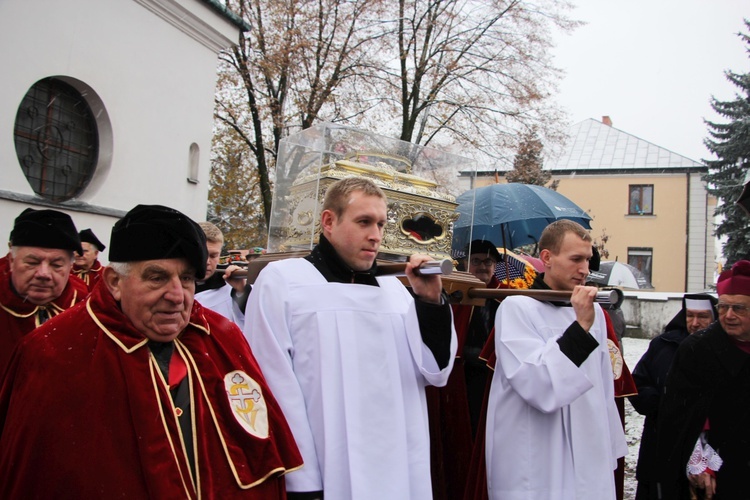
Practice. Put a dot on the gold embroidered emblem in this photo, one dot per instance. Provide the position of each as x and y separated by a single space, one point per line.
615 356
247 402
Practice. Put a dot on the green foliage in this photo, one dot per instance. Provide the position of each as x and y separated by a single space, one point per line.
730 143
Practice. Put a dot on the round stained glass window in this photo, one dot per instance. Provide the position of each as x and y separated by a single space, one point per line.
56 139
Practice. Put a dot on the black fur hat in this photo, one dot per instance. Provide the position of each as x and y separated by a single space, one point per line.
45 229
150 232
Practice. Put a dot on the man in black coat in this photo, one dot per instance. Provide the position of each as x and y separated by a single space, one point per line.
704 417
697 313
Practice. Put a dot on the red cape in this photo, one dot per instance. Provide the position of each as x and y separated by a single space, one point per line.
86 413
624 386
90 277
450 425
18 317
451 442
624 383
476 480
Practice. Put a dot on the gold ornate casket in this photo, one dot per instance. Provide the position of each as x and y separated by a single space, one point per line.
417 181
420 218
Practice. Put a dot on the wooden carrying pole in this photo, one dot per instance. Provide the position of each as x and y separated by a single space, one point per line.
462 287
443 267
605 296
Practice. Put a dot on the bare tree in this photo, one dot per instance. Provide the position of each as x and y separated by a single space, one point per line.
462 74
288 67
476 72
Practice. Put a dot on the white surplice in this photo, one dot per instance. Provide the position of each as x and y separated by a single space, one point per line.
348 366
220 300
553 430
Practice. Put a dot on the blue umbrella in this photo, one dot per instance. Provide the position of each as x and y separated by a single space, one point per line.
512 214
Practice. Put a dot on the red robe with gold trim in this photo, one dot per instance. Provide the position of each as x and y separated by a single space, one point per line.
18 317
86 413
90 277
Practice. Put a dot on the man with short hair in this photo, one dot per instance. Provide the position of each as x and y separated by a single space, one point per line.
35 281
704 416
219 291
553 430
140 392
349 353
697 313
87 266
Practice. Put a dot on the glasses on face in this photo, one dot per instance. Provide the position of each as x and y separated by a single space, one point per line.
483 262
737 309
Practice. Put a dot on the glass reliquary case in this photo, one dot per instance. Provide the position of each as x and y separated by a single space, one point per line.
419 183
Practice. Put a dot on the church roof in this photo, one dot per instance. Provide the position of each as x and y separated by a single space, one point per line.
594 145
228 13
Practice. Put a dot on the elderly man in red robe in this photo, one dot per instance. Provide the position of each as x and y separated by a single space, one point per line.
87 265
140 392
35 281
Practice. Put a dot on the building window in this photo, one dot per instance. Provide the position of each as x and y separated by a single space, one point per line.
193 159
56 140
641 259
641 199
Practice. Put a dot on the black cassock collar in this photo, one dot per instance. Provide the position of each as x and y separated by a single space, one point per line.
327 261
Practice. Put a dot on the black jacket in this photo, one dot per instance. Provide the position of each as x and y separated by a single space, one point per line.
709 379
650 375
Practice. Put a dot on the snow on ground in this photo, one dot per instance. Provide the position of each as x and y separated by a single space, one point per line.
633 349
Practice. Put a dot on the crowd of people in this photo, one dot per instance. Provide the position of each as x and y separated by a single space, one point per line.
160 375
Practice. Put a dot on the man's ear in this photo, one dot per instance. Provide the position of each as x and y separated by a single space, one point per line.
327 218
113 282
545 256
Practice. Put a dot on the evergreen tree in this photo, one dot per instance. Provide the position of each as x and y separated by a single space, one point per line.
730 143
527 165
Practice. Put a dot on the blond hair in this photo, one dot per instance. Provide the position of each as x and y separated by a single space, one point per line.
339 192
553 235
213 233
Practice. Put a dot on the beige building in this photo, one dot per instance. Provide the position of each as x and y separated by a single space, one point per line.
648 201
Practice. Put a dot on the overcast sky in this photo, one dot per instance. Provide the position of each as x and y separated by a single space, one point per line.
652 66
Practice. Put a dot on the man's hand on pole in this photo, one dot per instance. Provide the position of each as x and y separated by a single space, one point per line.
427 287
582 301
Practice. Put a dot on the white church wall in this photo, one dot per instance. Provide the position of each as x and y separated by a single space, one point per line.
148 71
